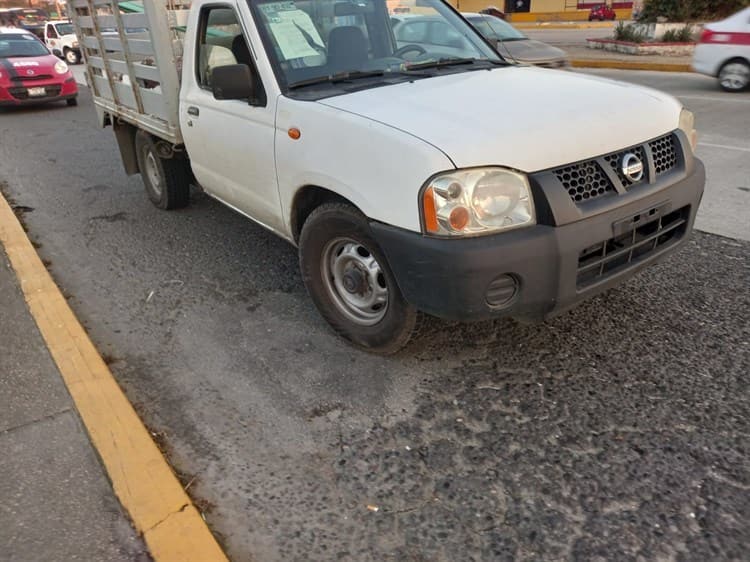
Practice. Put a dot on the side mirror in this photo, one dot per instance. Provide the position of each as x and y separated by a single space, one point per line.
232 82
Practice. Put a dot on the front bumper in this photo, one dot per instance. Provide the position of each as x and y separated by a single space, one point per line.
58 90
551 265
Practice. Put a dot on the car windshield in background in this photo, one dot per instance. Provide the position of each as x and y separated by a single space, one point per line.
495 28
21 45
65 29
333 41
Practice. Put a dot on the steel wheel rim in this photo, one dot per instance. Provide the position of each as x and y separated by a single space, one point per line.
735 76
152 171
355 281
71 57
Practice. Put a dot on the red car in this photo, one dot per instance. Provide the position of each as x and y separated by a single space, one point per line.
602 12
30 74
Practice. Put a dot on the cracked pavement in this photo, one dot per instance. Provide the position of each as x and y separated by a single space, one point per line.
617 431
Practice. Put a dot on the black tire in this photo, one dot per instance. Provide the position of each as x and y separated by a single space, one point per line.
734 87
72 102
325 225
167 180
71 56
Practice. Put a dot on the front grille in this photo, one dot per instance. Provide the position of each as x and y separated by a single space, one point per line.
604 259
23 93
583 181
31 78
588 180
664 153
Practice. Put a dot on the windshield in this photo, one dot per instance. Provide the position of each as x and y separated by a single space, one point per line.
495 28
64 29
21 45
313 40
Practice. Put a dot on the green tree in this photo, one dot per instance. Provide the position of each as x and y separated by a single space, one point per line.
682 10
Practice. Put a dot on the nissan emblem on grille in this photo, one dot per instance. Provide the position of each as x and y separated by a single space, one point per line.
632 167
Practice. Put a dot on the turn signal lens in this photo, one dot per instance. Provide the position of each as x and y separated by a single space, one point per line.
430 212
687 125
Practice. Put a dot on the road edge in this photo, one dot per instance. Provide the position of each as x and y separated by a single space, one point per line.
631 65
141 477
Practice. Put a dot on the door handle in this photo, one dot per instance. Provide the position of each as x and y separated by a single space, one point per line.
192 110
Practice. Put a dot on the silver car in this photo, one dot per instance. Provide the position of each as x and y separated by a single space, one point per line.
514 45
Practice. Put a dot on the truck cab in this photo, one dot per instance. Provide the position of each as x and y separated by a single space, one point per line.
413 179
60 38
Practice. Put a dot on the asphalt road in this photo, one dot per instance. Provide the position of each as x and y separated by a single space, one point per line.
620 430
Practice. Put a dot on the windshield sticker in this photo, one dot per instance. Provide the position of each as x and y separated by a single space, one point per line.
294 31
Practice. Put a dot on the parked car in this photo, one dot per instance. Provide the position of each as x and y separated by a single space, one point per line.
602 12
412 180
60 38
514 45
30 74
30 19
493 11
723 51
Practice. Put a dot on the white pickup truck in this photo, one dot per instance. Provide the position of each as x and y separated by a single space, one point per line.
60 38
413 178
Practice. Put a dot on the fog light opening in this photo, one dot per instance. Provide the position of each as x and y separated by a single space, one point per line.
502 290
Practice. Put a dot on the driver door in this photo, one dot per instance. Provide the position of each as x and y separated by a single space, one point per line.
231 142
52 40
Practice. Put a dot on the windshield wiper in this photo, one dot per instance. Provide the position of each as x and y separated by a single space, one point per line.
337 77
439 63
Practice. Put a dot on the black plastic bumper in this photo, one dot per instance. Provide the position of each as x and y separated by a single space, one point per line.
449 278
36 101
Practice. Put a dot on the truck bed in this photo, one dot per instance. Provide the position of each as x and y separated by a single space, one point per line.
133 61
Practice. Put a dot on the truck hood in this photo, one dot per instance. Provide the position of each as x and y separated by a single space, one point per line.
520 117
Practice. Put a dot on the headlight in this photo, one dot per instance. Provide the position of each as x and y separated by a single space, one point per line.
61 67
477 201
687 125
75 44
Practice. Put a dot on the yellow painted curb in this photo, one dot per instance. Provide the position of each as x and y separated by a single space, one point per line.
632 65
141 477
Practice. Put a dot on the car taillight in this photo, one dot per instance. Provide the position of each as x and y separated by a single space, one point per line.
705 36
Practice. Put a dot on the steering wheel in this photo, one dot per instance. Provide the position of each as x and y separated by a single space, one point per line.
407 49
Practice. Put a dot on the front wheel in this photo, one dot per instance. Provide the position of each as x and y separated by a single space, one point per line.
734 76
350 282
72 57
167 180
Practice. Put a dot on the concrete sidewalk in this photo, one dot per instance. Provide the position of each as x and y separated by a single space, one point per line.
56 503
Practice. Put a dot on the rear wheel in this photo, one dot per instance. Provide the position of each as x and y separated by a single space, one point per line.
734 76
72 57
167 180
350 281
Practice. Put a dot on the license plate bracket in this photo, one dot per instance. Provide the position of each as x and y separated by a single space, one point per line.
647 215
